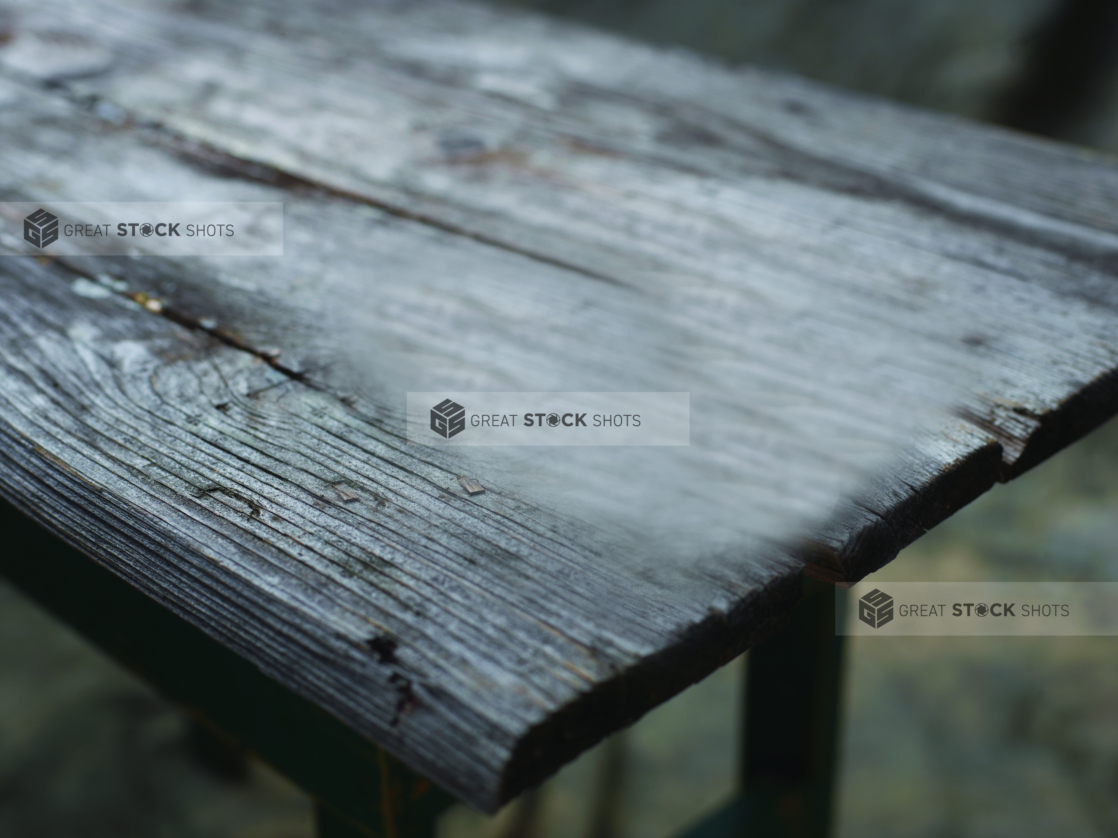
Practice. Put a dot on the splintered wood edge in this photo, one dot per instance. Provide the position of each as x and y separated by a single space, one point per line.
858 542
622 700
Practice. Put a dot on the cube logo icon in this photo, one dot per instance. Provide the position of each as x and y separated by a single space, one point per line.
875 609
448 418
40 228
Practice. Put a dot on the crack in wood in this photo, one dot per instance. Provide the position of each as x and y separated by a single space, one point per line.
406 699
206 325
218 161
254 508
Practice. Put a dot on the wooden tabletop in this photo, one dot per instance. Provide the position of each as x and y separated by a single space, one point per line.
878 313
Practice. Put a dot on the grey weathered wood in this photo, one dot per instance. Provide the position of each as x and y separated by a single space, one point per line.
878 314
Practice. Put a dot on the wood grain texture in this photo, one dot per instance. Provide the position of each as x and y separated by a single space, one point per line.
457 633
878 314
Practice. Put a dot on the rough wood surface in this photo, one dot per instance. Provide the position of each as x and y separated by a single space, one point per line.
878 314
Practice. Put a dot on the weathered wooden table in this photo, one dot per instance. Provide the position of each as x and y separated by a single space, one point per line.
878 313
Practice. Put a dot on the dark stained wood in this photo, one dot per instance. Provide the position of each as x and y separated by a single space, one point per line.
878 314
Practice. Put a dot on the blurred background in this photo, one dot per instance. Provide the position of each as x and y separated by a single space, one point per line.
942 737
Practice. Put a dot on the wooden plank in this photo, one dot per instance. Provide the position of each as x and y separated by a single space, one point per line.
873 331
226 697
569 148
811 378
479 641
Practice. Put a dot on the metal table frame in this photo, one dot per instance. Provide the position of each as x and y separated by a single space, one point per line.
787 756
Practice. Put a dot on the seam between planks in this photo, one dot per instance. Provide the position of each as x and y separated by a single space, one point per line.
206 155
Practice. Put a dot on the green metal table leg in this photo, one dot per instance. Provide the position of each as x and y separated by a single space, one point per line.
359 786
329 824
791 720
